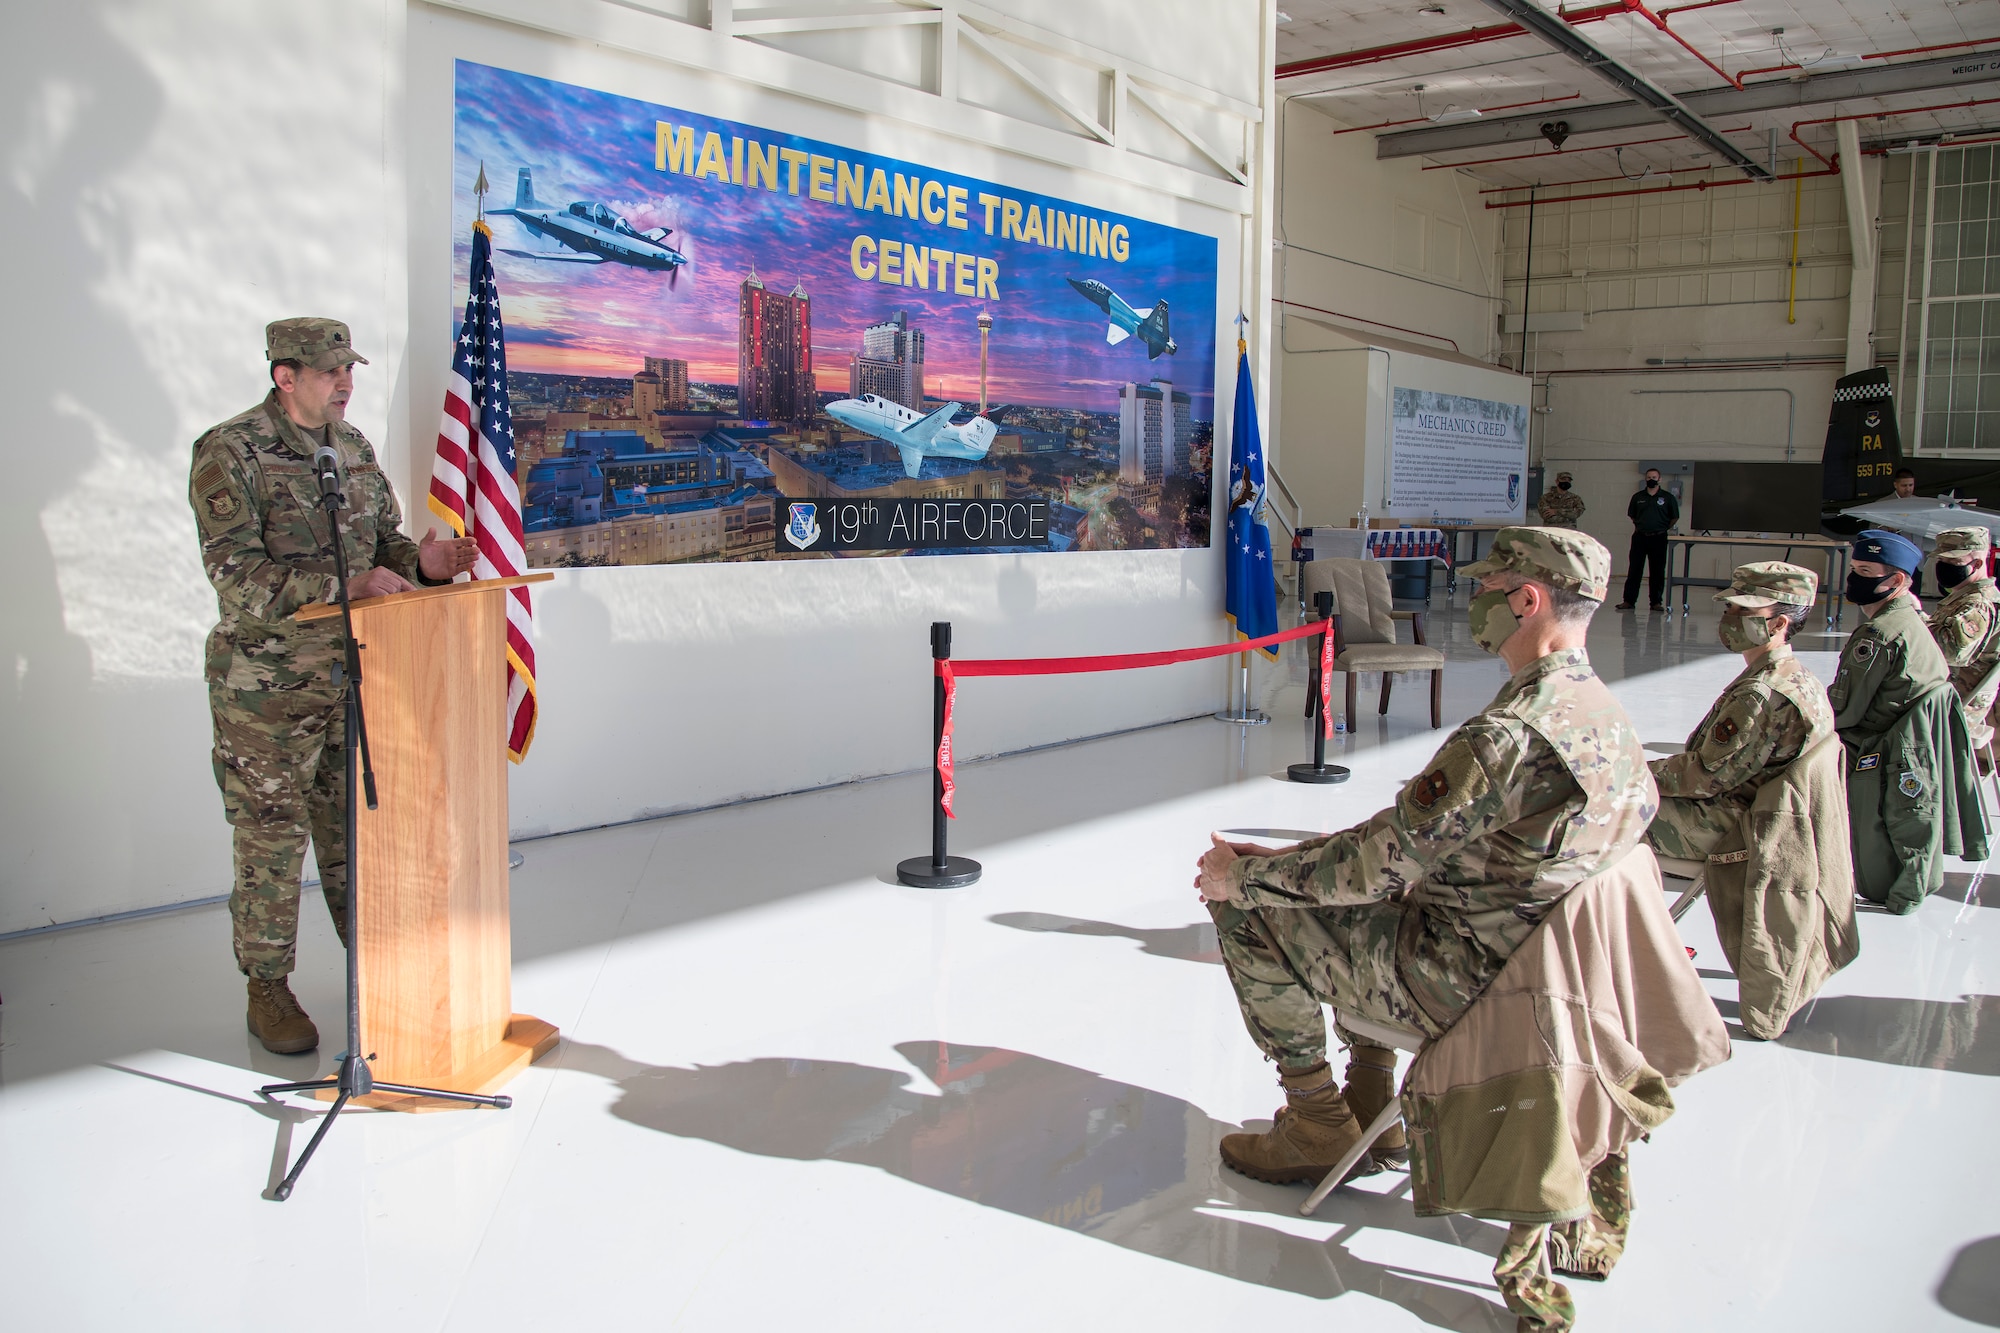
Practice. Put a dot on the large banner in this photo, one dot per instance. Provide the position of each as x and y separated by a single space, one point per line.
730 343
1456 457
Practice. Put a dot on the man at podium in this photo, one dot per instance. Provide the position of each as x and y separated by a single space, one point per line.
279 754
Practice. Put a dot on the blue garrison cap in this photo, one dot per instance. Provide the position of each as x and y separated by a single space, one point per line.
1888 548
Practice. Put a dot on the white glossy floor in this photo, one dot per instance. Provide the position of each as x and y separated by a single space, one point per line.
792 1094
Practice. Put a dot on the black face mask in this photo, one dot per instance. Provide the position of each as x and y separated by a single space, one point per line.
1950 575
1863 590
1562 485
1652 485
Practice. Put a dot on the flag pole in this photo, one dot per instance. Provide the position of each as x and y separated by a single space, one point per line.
1241 714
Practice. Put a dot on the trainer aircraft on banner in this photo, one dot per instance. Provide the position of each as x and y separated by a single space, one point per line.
598 235
1150 325
917 436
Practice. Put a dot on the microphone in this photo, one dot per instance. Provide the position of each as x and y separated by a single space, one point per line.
326 466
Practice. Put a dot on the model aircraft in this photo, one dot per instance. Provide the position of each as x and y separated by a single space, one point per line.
597 234
1150 325
1923 517
917 436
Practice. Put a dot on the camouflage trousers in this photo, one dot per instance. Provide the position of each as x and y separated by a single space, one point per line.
1589 1247
1689 829
1540 1303
280 759
1286 962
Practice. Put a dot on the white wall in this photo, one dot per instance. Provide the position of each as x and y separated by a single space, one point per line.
179 175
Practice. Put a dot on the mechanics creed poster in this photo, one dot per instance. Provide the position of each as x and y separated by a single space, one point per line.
730 343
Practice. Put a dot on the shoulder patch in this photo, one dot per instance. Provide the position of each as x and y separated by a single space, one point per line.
1910 785
1724 731
1454 779
1864 649
216 504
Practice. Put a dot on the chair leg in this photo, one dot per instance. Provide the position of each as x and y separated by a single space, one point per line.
1388 1116
1437 700
1687 900
1387 677
1349 715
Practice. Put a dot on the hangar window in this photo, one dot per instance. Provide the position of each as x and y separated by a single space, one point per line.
1954 302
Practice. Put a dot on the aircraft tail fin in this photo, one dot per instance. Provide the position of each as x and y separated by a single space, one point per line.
524 190
1154 330
1114 335
924 431
913 459
977 434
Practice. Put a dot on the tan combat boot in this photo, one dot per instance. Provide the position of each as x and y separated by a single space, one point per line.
1371 1085
277 1020
1310 1134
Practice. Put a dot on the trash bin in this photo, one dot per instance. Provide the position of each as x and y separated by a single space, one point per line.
1410 580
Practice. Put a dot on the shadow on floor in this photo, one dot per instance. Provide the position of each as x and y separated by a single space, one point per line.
1922 1034
1062 1145
1970 889
1189 944
1970 1287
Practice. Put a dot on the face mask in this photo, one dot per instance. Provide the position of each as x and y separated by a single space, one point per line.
1740 634
1492 621
1652 485
1950 574
1865 590
1562 485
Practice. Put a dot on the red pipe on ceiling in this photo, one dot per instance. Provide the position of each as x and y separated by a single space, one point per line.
1658 189
1504 106
1878 55
1443 42
1563 152
1877 115
1639 8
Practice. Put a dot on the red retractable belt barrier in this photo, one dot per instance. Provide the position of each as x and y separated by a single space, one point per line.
942 871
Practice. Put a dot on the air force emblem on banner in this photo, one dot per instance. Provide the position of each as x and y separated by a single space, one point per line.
803 528
1513 487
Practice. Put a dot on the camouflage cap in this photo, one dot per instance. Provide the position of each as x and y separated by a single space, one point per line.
1968 540
1559 557
1769 582
323 344
1564 476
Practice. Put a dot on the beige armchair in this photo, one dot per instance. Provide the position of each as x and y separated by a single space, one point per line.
1364 629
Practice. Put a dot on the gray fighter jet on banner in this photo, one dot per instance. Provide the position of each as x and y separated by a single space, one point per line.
598 235
1150 325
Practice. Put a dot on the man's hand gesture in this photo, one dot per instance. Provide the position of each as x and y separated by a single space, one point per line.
443 561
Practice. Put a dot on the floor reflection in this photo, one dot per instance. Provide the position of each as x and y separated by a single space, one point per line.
1190 944
1970 1288
1923 1034
1062 1145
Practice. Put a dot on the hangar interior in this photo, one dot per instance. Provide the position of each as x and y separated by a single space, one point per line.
1662 233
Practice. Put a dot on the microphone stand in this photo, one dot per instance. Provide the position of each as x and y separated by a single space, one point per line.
354 1078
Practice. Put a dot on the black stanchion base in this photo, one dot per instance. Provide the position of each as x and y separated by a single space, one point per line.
919 872
1320 773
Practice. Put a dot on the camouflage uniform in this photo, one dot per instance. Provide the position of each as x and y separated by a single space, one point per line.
1560 508
1967 630
1408 916
279 744
1769 716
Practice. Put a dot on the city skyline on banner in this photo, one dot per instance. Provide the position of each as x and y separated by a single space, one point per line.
753 292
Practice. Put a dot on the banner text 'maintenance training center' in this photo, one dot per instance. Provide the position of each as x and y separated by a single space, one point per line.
751 165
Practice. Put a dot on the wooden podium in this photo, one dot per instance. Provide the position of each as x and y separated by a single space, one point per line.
436 961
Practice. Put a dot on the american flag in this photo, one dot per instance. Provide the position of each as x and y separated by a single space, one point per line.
472 479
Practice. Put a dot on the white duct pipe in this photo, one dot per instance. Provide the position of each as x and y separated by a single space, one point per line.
1861 186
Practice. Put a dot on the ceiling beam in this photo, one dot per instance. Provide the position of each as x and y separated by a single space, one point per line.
1657 102
1774 94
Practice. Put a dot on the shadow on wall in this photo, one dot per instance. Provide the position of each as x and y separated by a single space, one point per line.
1064 1146
75 815
1970 1288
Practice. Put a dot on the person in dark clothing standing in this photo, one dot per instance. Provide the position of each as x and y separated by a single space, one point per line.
1653 512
